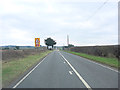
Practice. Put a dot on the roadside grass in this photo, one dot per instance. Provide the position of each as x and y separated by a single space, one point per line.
113 62
14 68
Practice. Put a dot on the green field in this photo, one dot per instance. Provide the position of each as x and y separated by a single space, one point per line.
108 61
14 68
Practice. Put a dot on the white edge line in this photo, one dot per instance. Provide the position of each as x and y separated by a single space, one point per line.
84 82
101 65
28 73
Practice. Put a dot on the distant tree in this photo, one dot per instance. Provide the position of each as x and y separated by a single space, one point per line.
65 46
70 45
6 48
50 42
17 47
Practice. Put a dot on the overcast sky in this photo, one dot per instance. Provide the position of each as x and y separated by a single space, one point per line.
23 20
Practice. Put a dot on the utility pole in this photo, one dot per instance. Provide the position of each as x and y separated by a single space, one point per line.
67 40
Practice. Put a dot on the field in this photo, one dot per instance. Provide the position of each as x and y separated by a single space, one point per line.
15 63
113 62
11 54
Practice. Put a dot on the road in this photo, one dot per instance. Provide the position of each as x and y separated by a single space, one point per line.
63 70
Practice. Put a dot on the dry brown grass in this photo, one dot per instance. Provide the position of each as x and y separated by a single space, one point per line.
11 54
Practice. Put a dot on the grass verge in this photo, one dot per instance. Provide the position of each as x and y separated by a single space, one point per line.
113 62
14 68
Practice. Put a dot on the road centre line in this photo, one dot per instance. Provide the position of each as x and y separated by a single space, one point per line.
28 73
70 72
79 76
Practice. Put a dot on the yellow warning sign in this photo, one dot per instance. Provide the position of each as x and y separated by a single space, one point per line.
37 42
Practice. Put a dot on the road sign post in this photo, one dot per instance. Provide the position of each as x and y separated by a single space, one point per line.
37 42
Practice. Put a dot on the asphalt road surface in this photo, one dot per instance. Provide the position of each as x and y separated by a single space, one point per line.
63 70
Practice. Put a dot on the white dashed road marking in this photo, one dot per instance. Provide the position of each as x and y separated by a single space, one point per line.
78 75
70 72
